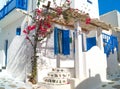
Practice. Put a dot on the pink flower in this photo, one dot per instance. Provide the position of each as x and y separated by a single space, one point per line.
42 29
29 28
27 38
88 20
47 24
49 17
33 27
59 10
38 11
68 1
24 31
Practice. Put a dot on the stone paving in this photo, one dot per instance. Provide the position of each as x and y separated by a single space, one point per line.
110 84
8 82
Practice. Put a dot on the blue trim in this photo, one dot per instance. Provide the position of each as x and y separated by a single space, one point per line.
65 42
110 42
56 51
11 5
91 42
18 31
61 41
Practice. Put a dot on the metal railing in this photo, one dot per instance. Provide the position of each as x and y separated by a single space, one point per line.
110 43
20 4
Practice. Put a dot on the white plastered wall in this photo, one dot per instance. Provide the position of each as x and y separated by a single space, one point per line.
113 18
95 65
47 59
18 54
85 6
112 65
19 49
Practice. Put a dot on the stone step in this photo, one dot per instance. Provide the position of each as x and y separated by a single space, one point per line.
47 86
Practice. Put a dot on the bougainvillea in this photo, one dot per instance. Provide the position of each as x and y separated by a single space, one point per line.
41 27
42 19
41 24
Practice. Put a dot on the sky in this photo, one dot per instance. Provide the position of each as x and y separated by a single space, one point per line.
108 5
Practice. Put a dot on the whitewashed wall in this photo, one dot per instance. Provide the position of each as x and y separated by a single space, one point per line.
96 63
47 59
95 69
18 52
18 47
85 6
111 18
118 19
112 64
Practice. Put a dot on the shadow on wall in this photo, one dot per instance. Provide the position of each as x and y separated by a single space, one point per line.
90 83
112 65
19 55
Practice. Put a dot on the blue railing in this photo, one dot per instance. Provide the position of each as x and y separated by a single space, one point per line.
12 4
110 43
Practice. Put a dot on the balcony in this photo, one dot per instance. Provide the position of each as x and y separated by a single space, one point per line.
9 12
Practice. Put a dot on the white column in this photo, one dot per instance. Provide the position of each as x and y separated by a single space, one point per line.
84 42
3 58
79 70
100 39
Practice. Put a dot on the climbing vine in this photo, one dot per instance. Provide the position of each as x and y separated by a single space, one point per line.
42 19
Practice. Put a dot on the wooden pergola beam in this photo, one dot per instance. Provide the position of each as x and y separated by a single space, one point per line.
94 23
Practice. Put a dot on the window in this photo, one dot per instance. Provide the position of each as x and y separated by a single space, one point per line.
18 31
61 41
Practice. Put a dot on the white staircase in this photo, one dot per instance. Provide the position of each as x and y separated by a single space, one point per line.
57 79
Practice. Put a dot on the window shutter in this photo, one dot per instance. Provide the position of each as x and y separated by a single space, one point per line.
56 41
65 42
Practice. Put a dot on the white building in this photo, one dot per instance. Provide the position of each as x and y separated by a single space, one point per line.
87 64
113 18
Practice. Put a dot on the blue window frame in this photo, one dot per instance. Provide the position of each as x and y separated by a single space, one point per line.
91 42
61 41
18 31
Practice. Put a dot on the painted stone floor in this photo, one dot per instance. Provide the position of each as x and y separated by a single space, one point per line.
8 82
111 84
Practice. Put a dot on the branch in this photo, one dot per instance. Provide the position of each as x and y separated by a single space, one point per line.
31 42
45 36
25 13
